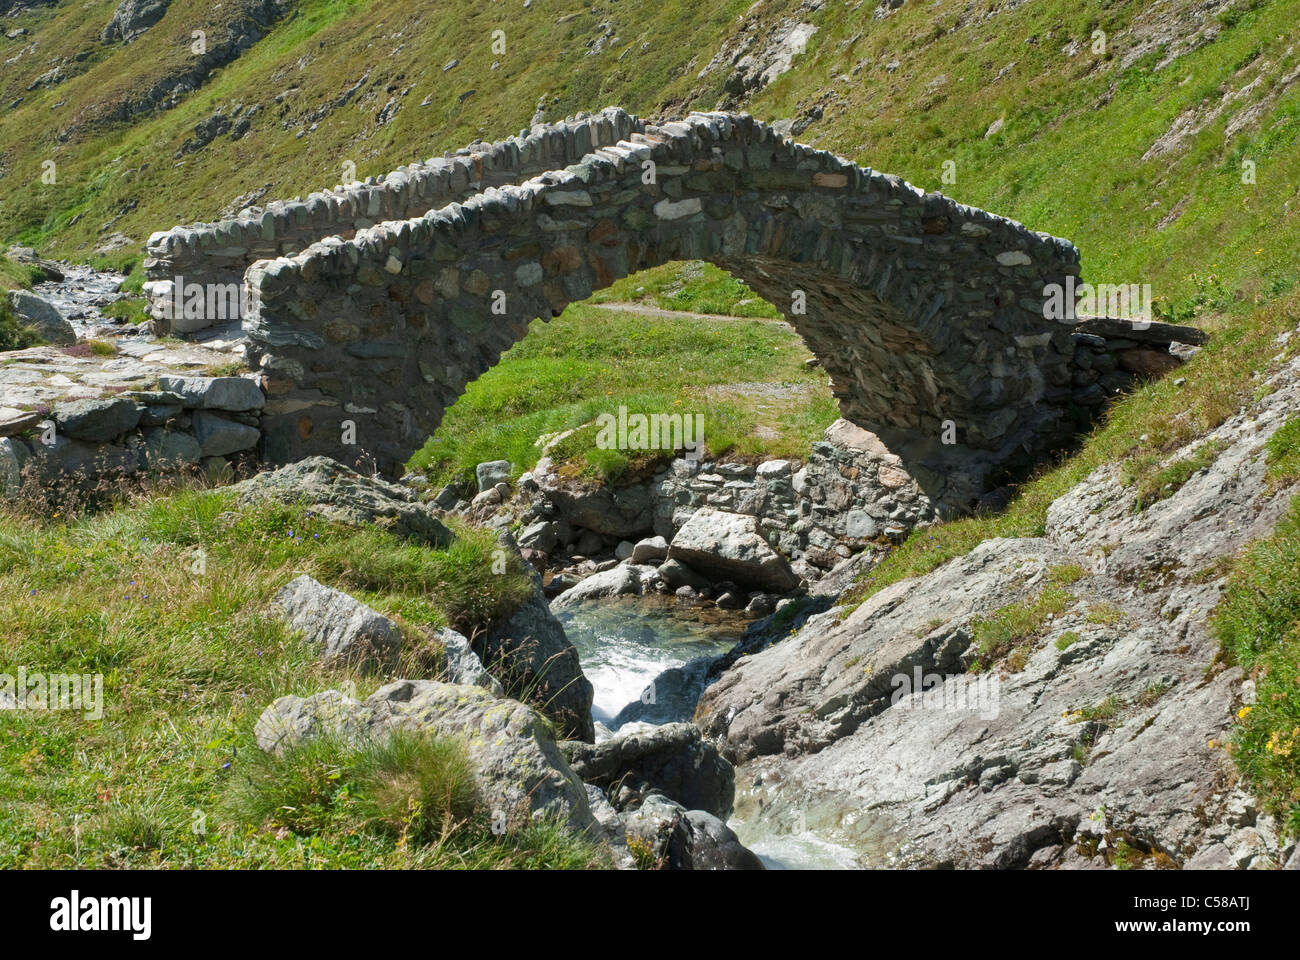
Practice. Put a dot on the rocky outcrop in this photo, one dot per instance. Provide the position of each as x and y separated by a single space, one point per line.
341 629
1097 722
520 769
43 317
671 759
101 438
341 494
730 546
132 18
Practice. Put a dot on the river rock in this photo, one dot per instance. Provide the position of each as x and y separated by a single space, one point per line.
679 839
520 769
531 656
342 629
729 546
671 759
625 579
676 692
676 575
650 550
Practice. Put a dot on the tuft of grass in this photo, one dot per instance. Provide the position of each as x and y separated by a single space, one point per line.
1104 613
407 785
406 799
1258 627
1159 483
1015 627
1067 639
135 310
1103 712
1065 573
1282 454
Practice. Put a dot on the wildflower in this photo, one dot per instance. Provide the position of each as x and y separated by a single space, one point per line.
1241 714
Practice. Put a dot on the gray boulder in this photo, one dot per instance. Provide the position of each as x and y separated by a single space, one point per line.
672 759
342 629
43 317
676 692
341 494
676 575
623 512
650 550
534 660
520 770
622 580
461 664
730 546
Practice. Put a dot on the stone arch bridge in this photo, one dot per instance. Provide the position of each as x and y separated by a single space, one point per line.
378 303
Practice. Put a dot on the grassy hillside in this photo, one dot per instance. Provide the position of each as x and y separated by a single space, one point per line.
906 94
189 659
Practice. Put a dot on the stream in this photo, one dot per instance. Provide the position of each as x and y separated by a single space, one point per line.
646 658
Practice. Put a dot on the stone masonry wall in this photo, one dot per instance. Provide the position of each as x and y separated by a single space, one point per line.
923 311
220 253
186 422
848 494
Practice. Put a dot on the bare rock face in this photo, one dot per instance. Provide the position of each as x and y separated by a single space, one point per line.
869 727
520 769
729 546
340 493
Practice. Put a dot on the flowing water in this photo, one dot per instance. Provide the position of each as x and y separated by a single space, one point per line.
647 659
625 643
